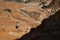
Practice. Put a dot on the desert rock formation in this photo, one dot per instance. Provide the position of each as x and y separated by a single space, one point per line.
17 19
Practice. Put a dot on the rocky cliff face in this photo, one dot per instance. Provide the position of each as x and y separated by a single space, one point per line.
48 30
34 18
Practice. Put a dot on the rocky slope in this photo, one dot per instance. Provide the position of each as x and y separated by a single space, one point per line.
48 30
17 19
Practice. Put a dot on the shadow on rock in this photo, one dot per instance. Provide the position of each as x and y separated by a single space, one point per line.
48 30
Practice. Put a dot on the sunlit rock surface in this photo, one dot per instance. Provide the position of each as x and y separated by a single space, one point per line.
17 19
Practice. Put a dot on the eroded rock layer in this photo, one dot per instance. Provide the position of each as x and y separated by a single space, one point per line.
17 19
